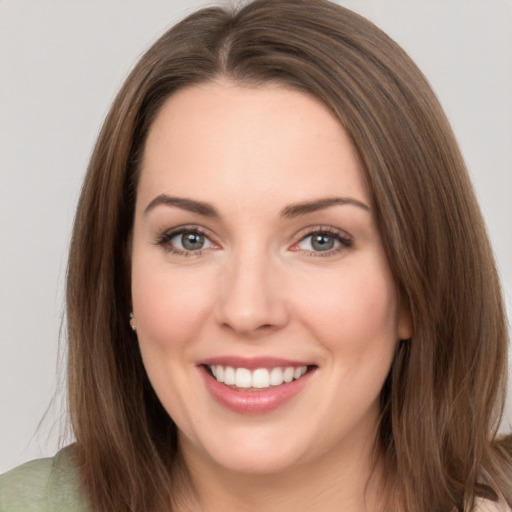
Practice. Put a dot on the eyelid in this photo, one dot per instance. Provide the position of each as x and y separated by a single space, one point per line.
345 240
165 236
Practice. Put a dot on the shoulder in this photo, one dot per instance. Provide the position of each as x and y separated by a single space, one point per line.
48 485
23 488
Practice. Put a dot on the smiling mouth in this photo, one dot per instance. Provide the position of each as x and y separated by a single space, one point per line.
258 379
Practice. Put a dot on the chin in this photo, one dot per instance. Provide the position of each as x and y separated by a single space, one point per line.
246 452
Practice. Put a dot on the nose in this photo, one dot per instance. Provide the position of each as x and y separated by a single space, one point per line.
252 300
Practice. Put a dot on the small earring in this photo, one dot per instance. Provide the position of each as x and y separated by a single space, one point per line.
132 322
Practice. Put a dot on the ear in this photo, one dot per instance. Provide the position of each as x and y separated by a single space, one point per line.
405 327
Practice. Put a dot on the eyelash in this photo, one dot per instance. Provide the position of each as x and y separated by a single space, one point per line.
345 241
165 238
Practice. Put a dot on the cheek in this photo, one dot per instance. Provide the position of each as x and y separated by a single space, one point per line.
168 306
170 309
354 311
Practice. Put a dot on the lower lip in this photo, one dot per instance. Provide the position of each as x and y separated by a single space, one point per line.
253 402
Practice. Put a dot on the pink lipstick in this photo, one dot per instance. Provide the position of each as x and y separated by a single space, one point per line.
255 385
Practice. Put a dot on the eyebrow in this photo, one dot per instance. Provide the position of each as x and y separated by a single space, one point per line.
291 211
190 205
295 210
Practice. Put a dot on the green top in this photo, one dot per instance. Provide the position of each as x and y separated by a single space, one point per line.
43 485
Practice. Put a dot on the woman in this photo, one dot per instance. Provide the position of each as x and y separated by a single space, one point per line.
280 289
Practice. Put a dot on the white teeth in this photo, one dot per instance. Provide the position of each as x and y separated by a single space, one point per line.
242 378
276 377
288 374
261 378
229 376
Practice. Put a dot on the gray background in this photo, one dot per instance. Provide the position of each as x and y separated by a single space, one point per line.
61 63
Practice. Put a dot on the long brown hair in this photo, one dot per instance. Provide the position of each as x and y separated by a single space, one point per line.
442 401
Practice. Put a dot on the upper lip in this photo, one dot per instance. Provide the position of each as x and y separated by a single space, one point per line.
252 363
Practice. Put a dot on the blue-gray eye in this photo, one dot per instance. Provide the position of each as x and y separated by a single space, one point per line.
323 242
190 241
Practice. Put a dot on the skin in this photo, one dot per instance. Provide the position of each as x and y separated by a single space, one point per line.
260 288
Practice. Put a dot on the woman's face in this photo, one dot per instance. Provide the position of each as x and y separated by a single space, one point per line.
256 258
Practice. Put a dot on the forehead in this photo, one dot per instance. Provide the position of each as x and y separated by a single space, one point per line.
224 139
